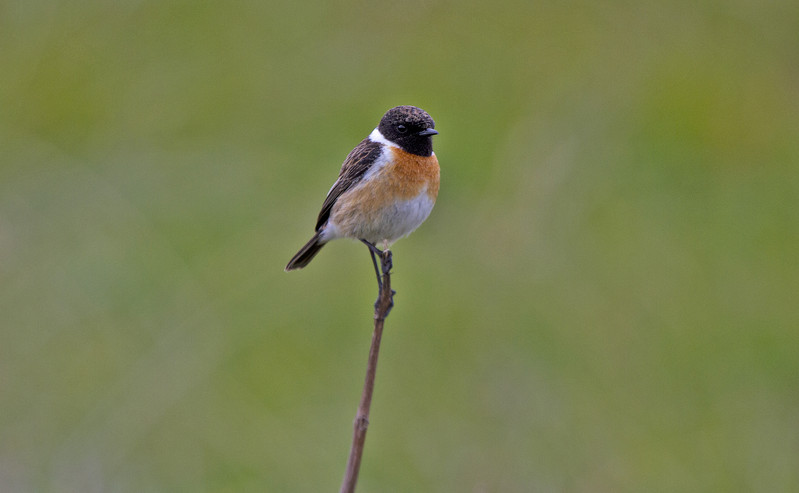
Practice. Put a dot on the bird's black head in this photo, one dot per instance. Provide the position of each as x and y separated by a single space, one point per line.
409 127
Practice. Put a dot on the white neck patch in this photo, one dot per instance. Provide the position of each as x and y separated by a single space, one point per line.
378 137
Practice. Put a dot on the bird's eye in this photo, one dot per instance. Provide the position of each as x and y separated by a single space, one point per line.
402 129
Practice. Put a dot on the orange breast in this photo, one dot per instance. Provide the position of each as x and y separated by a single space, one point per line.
409 173
366 210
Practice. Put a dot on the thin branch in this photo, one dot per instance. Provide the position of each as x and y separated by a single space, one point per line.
383 305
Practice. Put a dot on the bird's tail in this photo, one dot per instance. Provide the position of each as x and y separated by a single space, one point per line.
306 253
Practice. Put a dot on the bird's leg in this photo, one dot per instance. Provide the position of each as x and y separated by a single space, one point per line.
386 263
373 250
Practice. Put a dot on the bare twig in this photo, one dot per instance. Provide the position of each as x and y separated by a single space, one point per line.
383 305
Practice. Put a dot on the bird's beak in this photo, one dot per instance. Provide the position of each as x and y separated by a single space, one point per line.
428 131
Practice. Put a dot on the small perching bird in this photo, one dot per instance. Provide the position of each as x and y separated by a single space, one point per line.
386 188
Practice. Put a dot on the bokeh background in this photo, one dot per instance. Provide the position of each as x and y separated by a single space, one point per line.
603 300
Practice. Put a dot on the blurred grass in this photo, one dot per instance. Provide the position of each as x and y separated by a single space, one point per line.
603 300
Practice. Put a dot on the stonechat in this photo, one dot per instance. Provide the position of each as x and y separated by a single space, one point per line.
386 188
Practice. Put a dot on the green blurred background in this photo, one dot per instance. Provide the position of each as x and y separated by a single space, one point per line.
603 300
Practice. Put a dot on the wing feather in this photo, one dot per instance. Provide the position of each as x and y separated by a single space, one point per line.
354 167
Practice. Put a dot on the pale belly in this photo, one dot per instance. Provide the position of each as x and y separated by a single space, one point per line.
384 224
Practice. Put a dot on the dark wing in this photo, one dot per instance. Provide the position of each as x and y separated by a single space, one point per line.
355 166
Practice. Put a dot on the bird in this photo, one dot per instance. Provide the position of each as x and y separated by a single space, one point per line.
386 188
